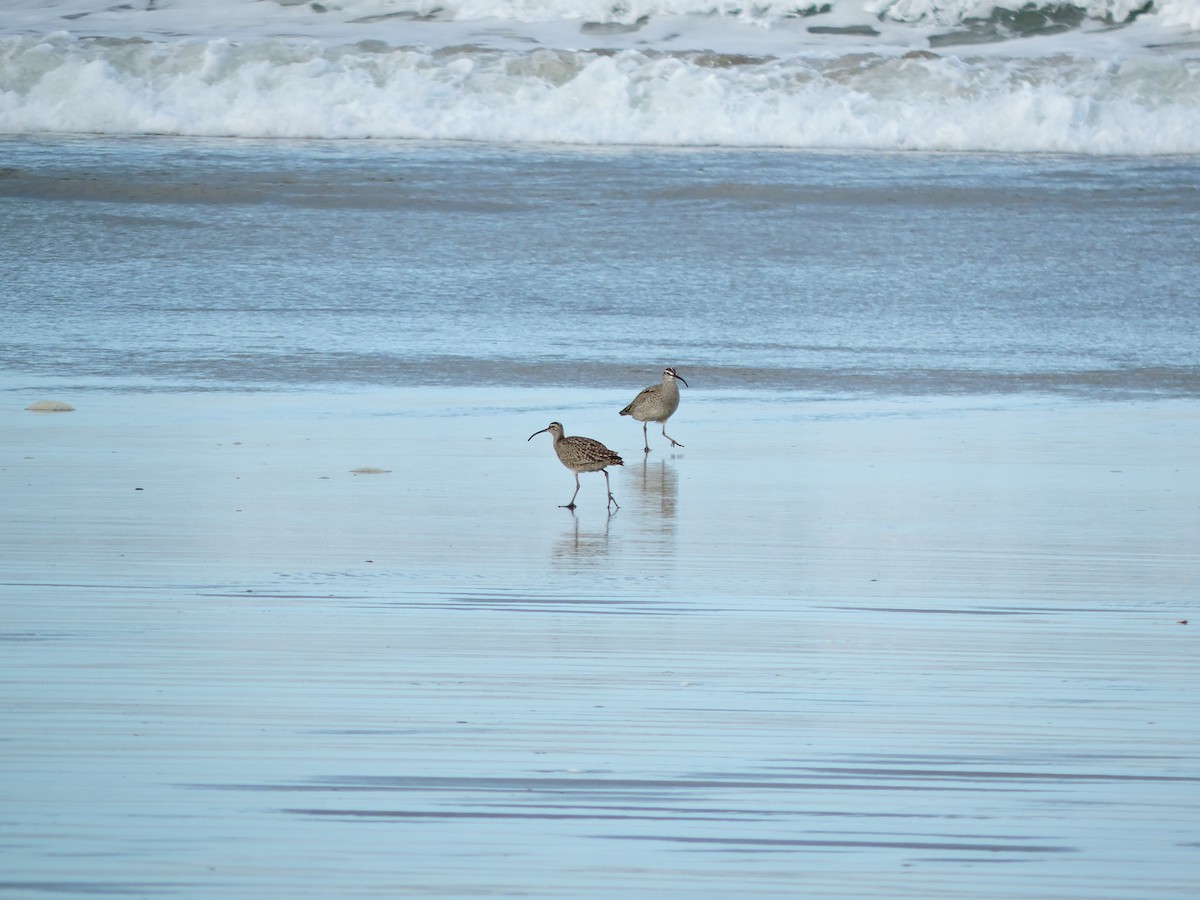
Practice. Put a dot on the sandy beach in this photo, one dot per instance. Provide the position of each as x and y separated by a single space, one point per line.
919 647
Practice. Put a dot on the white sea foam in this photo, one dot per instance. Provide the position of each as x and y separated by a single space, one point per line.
887 74
269 16
949 12
1181 13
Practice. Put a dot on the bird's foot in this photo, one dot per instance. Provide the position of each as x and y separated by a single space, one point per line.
566 506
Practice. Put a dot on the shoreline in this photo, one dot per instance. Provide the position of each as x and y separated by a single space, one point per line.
897 647
944 471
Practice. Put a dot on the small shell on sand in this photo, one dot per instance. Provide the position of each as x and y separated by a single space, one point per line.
370 470
50 406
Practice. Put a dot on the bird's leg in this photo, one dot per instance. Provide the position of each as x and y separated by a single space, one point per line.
674 443
645 437
608 486
571 505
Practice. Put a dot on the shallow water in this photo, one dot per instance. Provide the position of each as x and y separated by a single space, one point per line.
903 617
254 265
852 648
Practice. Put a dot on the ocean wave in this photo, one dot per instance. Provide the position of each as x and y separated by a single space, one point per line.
955 12
944 11
590 20
309 89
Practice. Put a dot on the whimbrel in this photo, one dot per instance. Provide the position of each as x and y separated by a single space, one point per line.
657 403
582 454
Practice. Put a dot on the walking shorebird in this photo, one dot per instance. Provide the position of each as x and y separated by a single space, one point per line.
582 454
657 403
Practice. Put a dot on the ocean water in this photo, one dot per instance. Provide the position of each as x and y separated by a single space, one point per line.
183 263
888 196
1094 77
287 606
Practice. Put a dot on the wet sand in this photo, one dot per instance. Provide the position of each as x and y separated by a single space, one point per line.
860 648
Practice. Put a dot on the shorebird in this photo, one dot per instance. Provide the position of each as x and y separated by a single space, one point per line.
581 454
657 403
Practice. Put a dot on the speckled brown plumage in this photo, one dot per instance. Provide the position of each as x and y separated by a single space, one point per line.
581 454
657 403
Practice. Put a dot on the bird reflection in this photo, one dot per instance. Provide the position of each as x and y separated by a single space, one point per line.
583 545
645 533
658 486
